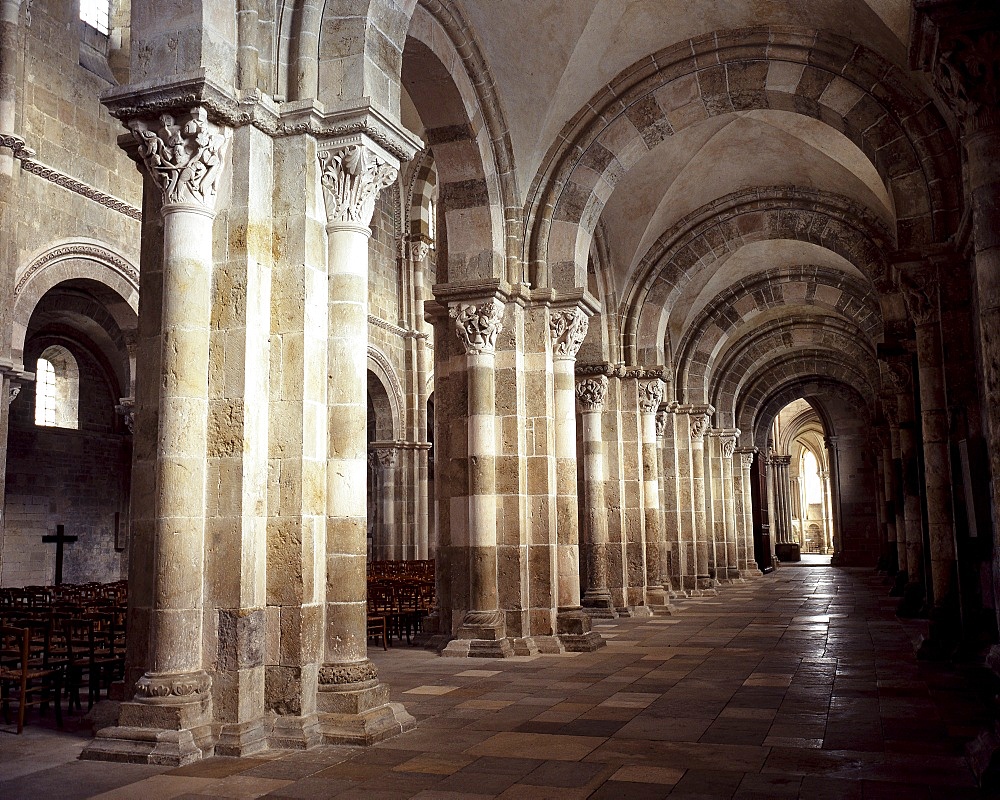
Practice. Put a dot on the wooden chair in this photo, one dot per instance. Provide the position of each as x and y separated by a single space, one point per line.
24 679
377 628
82 669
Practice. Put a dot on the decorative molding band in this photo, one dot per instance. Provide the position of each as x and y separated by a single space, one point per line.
398 330
26 156
73 250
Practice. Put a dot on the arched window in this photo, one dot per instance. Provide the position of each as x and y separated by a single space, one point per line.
97 14
814 484
57 389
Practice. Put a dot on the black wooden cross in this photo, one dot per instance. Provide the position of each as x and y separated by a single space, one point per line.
60 539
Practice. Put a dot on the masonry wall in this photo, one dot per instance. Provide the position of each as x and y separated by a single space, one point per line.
76 478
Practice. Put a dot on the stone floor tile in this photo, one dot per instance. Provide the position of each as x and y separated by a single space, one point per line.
159 787
434 763
527 745
616 790
647 774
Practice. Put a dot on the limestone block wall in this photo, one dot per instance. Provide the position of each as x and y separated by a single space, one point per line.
858 523
76 478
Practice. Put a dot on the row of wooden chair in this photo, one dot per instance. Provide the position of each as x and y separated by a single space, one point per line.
75 643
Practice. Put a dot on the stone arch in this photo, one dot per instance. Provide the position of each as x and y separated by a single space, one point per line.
470 193
389 400
814 73
74 260
776 346
422 191
727 224
822 288
825 379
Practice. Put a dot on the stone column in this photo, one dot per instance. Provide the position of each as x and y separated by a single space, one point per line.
687 560
390 545
834 457
902 380
353 704
918 284
785 546
700 421
650 397
744 513
483 631
899 521
418 253
727 442
591 392
9 12
567 330
667 466
889 496
169 720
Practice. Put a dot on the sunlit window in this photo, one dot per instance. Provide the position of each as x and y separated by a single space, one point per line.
57 389
814 484
97 14
45 393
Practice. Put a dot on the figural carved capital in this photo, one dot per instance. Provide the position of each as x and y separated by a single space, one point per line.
126 409
700 419
384 457
900 375
592 392
661 424
352 176
650 395
967 73
920 293
183 155
728 443
419 250
568 328
478 325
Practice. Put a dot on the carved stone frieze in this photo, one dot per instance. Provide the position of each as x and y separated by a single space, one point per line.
352 176
592 393
650 396
478 325
184 159
343 674
568 328
187 687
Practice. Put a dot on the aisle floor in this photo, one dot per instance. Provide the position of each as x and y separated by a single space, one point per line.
798 684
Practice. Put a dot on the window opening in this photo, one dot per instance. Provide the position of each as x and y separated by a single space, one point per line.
96 14
57 389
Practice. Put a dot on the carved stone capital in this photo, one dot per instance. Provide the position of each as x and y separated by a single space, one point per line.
126 409
384 457
592 393
700 419
650 396
900 375
344 675
352 175
728 443
920 293
12 392
568 328
478 325
661 424
746 455
419 250
171 689
183 155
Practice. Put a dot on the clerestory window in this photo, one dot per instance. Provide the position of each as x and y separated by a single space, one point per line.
57 389
97 14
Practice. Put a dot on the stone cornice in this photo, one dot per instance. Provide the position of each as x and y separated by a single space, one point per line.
29 163
363 120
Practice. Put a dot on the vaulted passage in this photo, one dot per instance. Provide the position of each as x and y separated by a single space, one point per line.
517 320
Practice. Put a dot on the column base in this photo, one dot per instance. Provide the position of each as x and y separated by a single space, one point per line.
295 733
788 551
639 611
751 570
168 723
598 604
912 604
478 648
482 635
239 740
525 646
353 706
656 596
575 634
550 645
